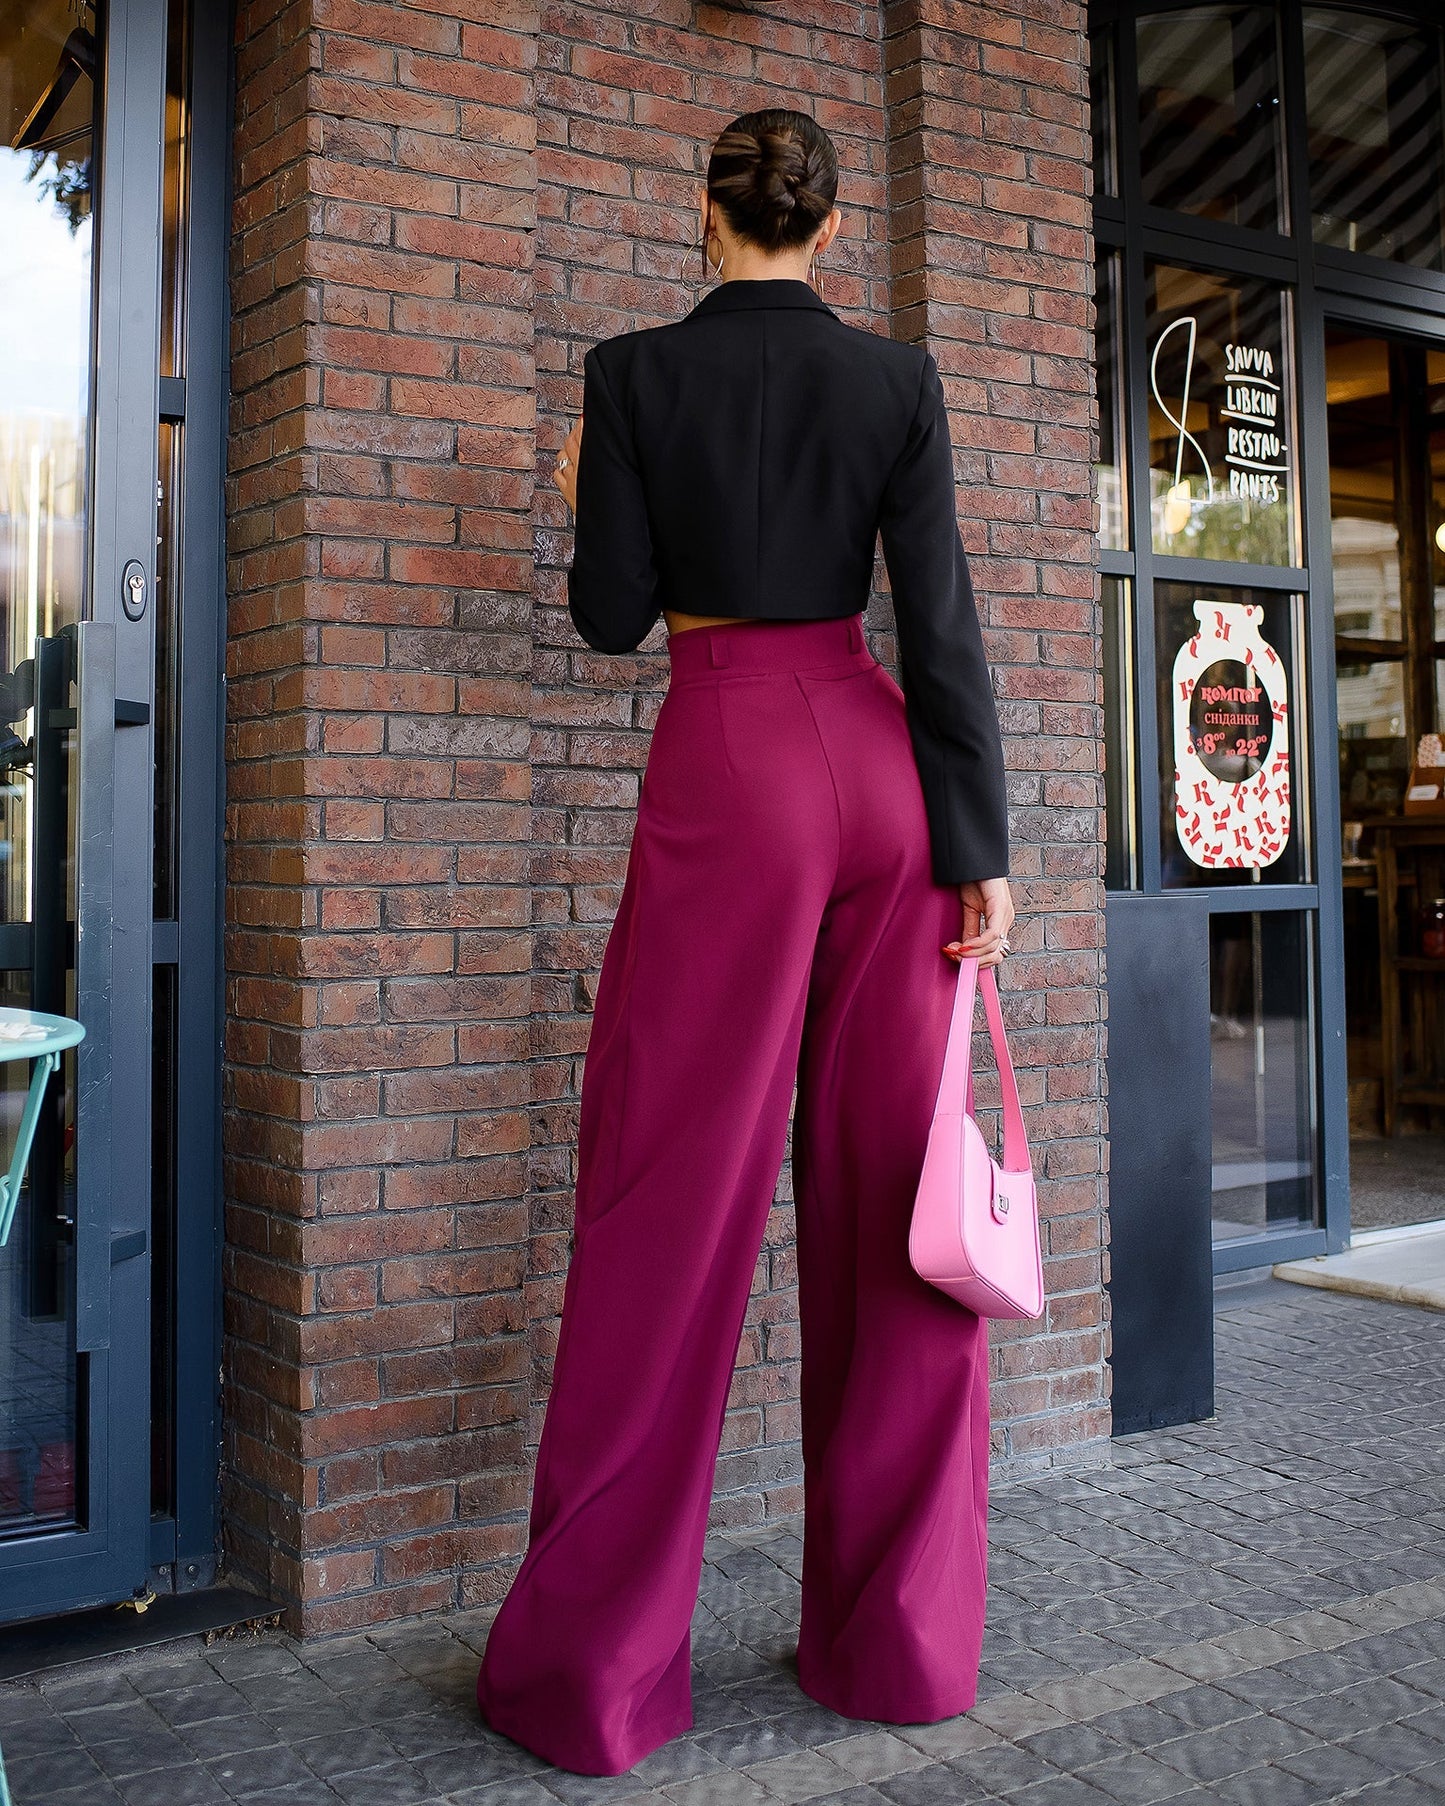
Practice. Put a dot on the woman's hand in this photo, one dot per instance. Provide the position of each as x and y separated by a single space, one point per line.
988 914
564 471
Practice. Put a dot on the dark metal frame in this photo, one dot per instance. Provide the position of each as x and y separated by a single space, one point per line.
120 1550
183 1550
105 1557
1326 284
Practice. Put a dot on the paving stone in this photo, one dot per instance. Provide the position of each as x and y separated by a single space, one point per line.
227 1736
874 1755
172 1787
395 1784
1004 1768
1137 1779
1185 1623
250 1772
1062 1790
1081 1699
1335 1768
1232 1749
1336 1716
949 1737
522 1791
344 1753
1203 1707
136 1755
1269 1787
723 1789
34 1777
296 1793
98 1792
1072 1746
36 1735
802 1775
1406 1790
862 1795
1396 1747
1016 1715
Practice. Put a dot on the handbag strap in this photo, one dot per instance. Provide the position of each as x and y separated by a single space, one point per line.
958 1058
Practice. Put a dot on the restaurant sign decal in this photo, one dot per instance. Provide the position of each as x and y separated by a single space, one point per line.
1231 741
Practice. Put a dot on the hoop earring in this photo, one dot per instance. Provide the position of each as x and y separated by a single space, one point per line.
813 270
707 268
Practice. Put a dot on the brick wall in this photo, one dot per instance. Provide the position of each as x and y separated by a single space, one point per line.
379 938
439 206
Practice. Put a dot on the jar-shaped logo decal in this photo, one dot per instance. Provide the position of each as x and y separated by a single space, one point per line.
1231 741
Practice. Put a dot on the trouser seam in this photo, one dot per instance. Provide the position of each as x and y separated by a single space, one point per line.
832 781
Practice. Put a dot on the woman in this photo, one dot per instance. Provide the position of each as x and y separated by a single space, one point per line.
806 833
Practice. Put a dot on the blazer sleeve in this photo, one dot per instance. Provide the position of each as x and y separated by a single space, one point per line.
948 694
612 585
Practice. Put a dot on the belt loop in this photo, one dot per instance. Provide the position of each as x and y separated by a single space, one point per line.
718 648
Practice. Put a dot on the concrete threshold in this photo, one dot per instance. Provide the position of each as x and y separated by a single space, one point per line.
1405 1265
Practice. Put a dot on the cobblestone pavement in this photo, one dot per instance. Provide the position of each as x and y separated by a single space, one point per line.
1249 1611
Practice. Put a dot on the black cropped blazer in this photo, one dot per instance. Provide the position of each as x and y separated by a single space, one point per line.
743 461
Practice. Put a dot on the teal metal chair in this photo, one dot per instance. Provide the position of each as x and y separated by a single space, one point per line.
30 1035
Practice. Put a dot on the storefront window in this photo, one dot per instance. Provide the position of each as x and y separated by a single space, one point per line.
1113 518
1221 417
1230 808
1209 114
1372 104
1120 787
1261 1078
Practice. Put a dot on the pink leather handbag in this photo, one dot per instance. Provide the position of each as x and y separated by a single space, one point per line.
975 1226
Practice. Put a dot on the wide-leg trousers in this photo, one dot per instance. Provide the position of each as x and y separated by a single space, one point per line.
778 921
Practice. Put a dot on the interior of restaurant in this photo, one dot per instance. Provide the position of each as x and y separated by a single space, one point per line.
1386 401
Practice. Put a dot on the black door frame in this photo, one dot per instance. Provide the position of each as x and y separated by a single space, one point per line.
124 1548
184 1548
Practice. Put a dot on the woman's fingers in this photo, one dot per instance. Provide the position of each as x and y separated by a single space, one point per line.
988 956
564 469
988 915
986 945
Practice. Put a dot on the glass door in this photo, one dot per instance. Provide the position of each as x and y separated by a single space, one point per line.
1385 399
82 97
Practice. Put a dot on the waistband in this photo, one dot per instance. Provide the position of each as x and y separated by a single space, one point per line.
768 646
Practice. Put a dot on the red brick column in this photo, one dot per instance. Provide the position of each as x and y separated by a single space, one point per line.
990 182
379 938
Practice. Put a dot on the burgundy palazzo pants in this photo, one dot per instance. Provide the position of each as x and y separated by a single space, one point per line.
778 920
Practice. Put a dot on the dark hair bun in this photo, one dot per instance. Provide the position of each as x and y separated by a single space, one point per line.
774 173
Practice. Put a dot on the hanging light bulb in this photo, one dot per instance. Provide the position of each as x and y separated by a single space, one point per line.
1177 507
1440 536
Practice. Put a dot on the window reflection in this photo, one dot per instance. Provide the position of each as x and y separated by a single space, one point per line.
1101 109
1113 529
1209 114
1386 403
1372 105
1261 1078
1221 416
47 104
1120 785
